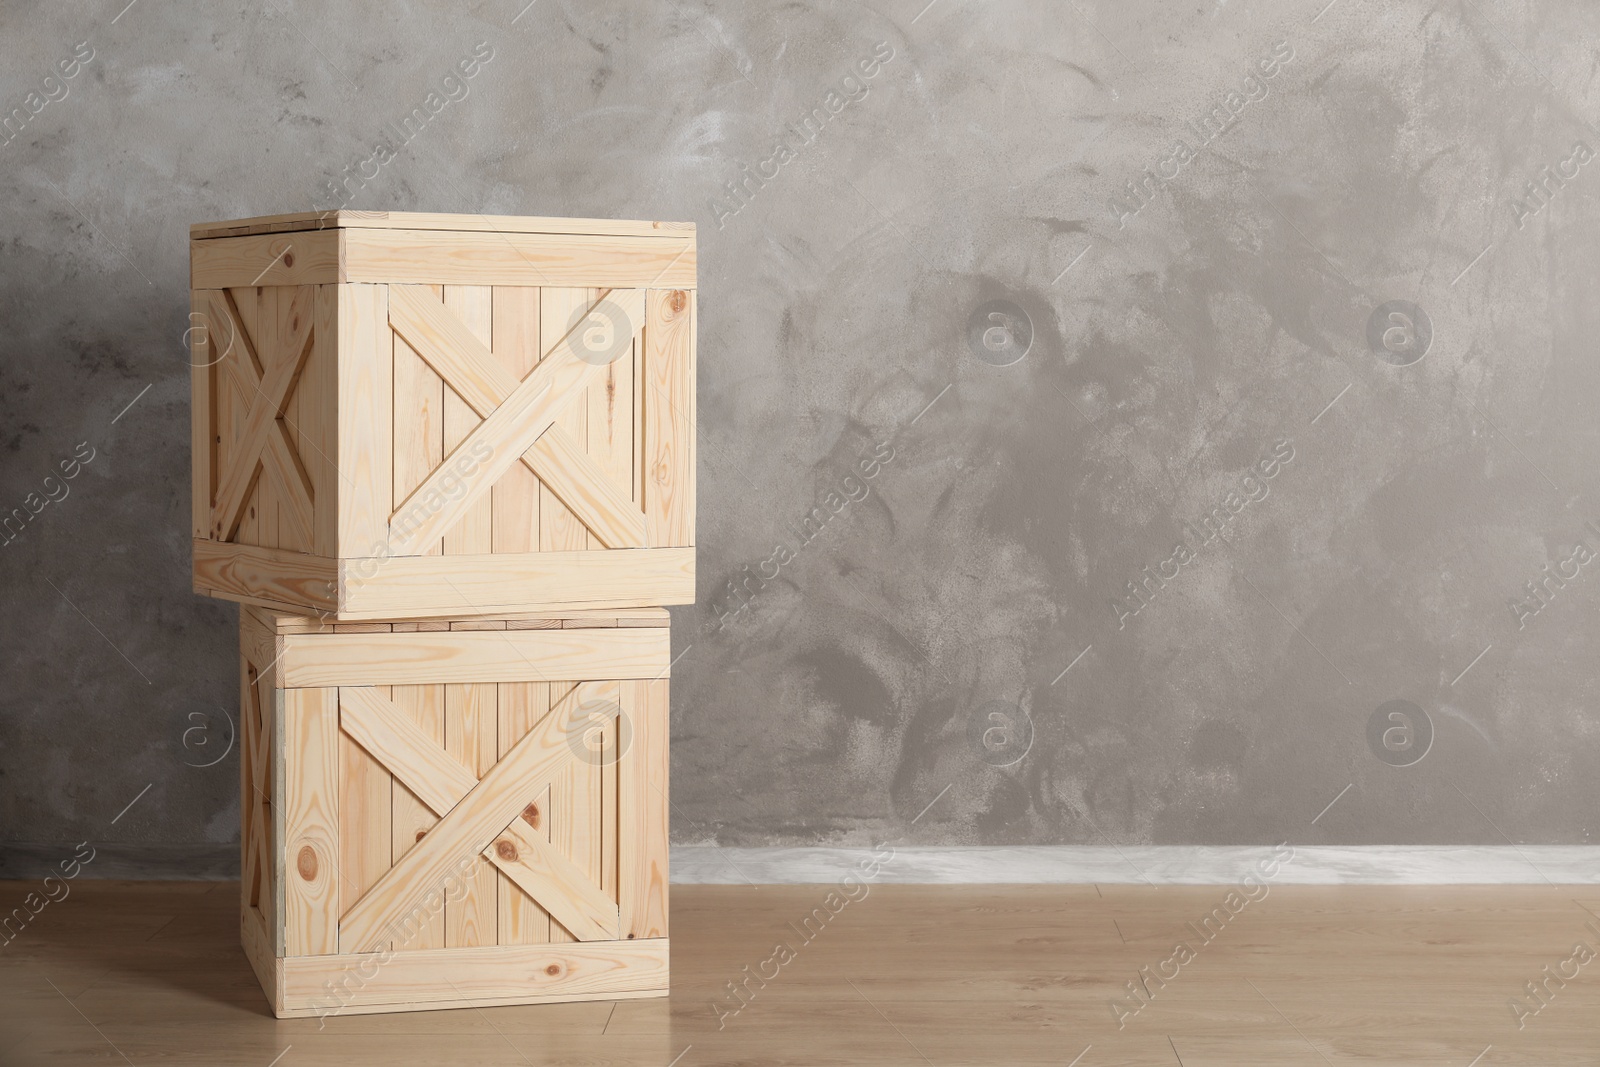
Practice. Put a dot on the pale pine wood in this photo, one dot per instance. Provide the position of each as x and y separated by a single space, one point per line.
418 220
545 874
434 257
513 974
642 783
499 796
418 420
514 500
411 817
509 431
539 583
668 380
465 656
612 418
522 920
471 723
310 851
366 411
319 420
267 575
257 945
281 366
559 528
405 748
308 258
472 306
470 370
204 352
365 820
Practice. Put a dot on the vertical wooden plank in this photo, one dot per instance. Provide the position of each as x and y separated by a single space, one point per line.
319 421
249 784
202 409
610 403
418 423
473 305
643 812
521 706
470 733
295 305
514 499
669 414
311 821
610 750
271 899
411 819
559 528
364 821
365 419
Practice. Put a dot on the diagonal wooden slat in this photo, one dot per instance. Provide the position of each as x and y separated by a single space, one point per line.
410 753
488 452
432 865
395 740
444 342
555 882
266 404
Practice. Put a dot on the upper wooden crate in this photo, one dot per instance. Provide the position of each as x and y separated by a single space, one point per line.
408 415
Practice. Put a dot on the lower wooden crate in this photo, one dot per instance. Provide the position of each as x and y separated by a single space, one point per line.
452 814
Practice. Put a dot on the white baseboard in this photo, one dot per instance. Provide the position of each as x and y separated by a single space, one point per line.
1155 865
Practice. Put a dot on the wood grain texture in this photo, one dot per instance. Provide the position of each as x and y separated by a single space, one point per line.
310 732
437 257
411 817
515 497
365 434
642 784
595 497
521 919
272 575
466 656
498 442
565 890
307 258
431 867
472 306
550 582
206 348
669 417
514 974
407 749
418 419
471 727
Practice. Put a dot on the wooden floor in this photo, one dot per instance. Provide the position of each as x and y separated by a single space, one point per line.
150 973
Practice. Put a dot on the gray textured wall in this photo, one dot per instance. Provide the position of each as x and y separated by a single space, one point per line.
1184 335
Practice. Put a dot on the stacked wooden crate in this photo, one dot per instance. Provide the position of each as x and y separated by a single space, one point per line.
445 464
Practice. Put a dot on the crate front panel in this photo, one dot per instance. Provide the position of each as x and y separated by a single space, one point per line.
380 425
457 814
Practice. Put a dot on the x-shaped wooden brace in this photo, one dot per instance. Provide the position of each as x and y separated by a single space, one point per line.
475 816
518 423
265 390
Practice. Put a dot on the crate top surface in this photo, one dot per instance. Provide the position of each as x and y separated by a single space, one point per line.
577 619
417 220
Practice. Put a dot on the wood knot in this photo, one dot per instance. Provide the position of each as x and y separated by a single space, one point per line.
530 815
306 863
288 259
421 834
678 300
553 970
506 851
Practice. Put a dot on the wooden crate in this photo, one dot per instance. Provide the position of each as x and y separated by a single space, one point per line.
407 415
443 814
